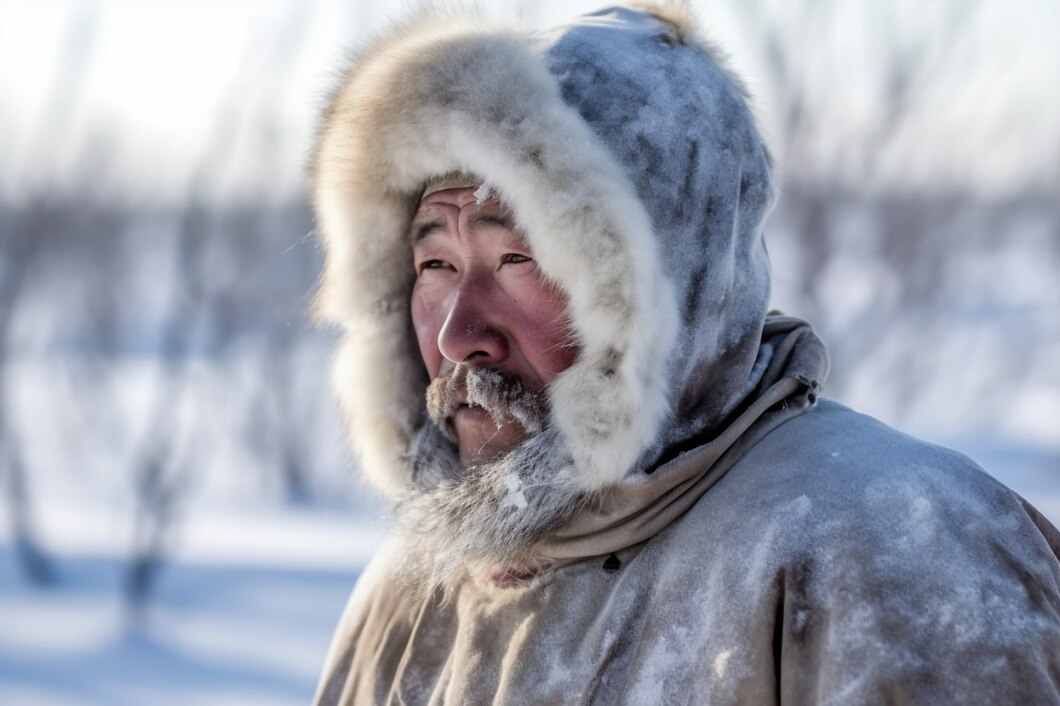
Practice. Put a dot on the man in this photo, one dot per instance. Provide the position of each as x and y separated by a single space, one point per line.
613 480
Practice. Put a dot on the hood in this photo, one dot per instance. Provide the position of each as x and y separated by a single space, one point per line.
631 162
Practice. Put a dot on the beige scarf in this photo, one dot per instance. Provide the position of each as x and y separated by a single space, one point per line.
641 506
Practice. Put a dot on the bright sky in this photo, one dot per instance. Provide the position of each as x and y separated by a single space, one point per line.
139 96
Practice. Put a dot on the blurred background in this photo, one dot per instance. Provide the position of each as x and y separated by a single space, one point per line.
179 520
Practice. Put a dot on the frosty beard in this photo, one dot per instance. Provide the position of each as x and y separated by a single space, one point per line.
483 519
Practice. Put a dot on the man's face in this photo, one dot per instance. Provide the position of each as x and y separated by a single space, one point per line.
480 300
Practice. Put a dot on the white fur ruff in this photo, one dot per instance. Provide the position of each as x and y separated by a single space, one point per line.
441 96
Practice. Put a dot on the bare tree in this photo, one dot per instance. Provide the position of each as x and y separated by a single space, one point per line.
26 234
904 232
160 469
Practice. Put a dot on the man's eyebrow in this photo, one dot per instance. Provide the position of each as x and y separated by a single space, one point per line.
419 231
422 230
493 219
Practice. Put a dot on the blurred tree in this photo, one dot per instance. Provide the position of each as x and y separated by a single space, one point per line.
27 234
857 206
210 310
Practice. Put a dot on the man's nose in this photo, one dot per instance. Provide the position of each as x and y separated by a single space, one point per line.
470 333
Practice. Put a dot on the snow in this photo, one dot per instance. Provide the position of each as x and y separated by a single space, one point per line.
243 614
720 663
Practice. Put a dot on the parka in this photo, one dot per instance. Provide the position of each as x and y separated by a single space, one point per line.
701 525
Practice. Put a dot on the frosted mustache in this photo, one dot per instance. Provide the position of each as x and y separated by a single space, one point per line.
504 397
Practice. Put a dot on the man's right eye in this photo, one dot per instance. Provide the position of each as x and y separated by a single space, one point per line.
433 265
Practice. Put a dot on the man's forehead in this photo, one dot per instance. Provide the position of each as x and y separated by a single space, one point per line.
452 180
458 197
438 210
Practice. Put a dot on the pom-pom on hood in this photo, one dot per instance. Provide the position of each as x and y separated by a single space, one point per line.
630 160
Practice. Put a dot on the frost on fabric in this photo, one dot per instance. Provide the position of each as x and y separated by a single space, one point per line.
721 661
902 569
701 172
878 572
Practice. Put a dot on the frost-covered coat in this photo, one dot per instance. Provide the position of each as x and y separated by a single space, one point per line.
740 540
864 567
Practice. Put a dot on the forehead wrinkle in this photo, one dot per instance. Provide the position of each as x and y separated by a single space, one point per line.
421 230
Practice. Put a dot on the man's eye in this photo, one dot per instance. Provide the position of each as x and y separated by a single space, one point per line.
433 265
515 258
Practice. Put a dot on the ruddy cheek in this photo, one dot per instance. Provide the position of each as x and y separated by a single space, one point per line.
549 345
426 324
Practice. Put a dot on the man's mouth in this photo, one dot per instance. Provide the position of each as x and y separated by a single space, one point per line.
470 412
471 396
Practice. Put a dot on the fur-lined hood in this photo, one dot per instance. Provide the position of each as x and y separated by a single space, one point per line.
632 163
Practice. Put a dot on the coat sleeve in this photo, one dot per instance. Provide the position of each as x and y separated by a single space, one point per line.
941 587
368 642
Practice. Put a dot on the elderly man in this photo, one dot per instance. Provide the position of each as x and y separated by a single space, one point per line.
612 478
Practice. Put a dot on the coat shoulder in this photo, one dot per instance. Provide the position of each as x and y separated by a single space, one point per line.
846 481
887 562
851 461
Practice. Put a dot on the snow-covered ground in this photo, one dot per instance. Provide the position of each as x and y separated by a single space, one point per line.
243 613
253 583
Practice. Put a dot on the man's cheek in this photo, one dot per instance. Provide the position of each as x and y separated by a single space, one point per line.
426 325
427 297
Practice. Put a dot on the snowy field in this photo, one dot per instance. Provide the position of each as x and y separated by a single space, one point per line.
243 613
252 585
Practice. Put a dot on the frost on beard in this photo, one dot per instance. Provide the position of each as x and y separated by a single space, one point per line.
490 515
515 497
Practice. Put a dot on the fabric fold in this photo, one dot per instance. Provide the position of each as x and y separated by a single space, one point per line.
642 505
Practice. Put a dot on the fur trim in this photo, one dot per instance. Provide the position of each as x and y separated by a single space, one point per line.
444 96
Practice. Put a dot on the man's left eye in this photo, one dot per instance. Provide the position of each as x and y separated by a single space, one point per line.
515 258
